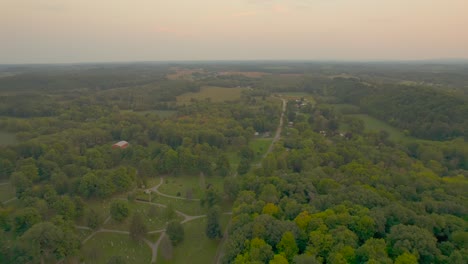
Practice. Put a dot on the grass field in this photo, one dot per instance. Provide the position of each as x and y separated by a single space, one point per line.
178 185
196 247
215 94
6 192
373 124
82 234
103 246
155 222
260 147
7 138
185 206
345 108
296 94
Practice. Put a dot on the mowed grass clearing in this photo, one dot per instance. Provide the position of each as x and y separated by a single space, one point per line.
345 108
103 246
373 124
180 185
213 93
7 138
153 222
196 247
260 147
7 191
184 206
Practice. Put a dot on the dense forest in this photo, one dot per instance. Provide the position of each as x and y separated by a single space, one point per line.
329 188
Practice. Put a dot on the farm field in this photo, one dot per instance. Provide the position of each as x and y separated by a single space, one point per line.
196 247
215 94
103 246
7 138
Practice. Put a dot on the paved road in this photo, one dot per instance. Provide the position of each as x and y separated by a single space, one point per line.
219 251
278 130
277 134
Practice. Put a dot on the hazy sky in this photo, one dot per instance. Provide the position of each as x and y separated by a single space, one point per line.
49 31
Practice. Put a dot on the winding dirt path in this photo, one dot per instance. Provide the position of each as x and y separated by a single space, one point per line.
9 200
156 190
153 246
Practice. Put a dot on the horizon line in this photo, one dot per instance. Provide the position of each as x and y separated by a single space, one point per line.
433 60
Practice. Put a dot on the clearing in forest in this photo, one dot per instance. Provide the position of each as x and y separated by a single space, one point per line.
212 93
191 187
196 247
6 192
374 124
7 138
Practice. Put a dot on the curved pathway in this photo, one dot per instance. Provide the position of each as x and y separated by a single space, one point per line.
156 190
9 200
153 246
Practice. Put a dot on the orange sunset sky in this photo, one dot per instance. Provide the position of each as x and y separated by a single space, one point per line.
56 31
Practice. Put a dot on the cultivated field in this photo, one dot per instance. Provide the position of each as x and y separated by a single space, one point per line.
246 74
212 93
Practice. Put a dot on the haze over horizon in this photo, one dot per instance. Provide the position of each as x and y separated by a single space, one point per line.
57 31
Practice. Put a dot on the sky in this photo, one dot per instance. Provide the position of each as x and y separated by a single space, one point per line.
69 31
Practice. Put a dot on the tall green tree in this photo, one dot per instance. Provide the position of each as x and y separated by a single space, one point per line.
213 228
119 210
287 246
175 231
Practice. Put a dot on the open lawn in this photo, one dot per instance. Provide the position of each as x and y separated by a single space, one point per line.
345 108
215 94
185 206
296 95
180 185
82 233
260 147
373 124
103 246
154 220
196 247
6 192
7 138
